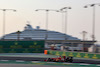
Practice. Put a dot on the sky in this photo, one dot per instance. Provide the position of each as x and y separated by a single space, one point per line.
78 19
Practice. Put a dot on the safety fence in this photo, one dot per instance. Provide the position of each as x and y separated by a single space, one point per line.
73 54
22 46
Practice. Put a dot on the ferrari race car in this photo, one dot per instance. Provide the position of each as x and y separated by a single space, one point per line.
60 59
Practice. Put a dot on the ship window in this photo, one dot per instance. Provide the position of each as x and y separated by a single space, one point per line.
27 38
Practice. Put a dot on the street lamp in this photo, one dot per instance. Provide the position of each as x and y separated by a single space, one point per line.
4 20
93 23
47 15
64 9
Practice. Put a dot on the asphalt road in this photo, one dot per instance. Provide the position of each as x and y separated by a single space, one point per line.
42 59
26 65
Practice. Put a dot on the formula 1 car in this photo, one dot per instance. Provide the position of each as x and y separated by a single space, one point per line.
60 59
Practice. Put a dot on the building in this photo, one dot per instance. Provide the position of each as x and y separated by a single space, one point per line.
94 48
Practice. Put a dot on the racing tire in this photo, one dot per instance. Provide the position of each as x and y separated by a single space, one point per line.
49 59
66 60
71 60
52 60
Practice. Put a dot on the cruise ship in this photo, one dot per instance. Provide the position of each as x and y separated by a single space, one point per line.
50 37
30 33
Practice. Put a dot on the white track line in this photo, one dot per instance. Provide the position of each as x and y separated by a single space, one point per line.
84 64
19 61
98 65
67 63
51 62
4 60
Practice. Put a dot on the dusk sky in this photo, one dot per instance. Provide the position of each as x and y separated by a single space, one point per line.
79 18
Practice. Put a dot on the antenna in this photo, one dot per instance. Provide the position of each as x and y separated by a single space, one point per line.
84 34
28 22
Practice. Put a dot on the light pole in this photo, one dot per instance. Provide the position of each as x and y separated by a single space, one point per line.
62 21
4 20
47 15
64 9
93 22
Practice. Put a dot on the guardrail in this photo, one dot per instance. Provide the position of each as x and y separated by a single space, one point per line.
73 54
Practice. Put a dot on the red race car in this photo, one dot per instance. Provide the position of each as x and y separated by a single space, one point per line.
60 59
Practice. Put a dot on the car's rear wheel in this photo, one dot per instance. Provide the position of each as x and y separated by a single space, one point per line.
49 59
71 60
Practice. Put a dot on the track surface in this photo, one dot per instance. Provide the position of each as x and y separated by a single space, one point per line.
42 59
26 65
19 63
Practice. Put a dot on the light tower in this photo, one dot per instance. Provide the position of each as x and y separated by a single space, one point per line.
47 15
93 20
4 20
65 9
